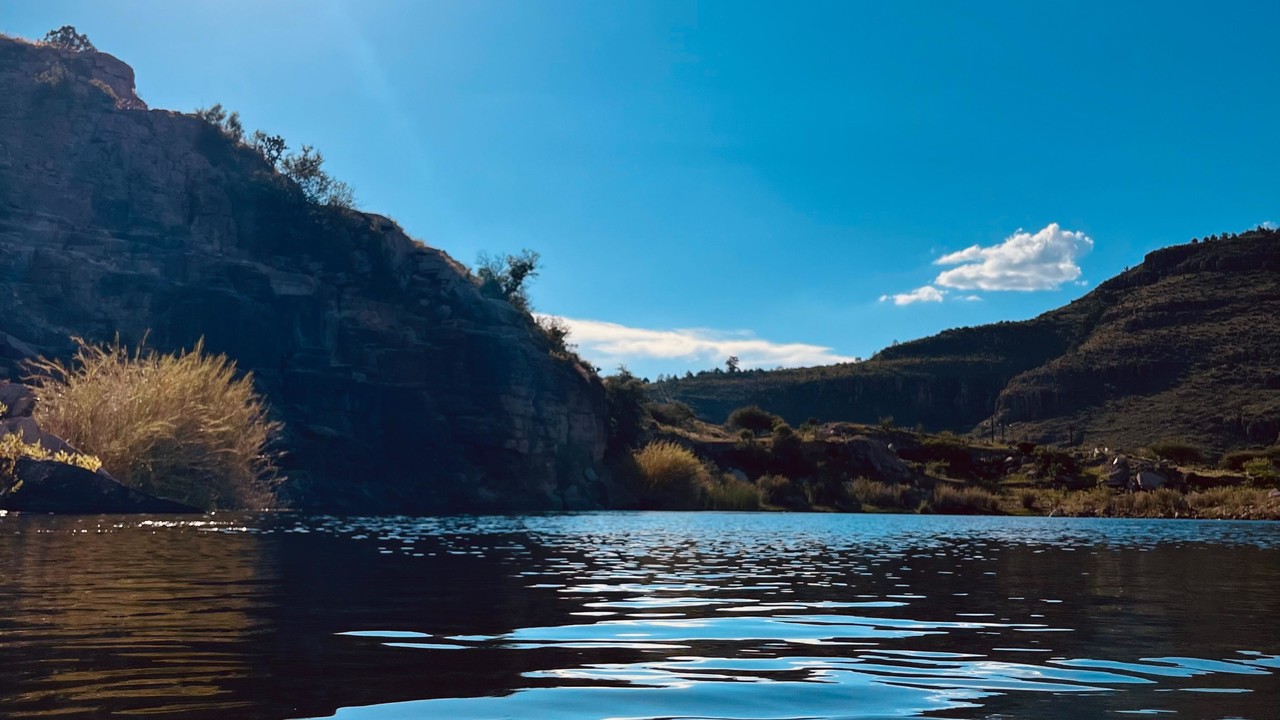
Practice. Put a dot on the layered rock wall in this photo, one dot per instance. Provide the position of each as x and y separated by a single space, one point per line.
401 387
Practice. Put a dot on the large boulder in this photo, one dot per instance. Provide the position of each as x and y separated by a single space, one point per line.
1118 473
31 434
1150 480
871 458
44 486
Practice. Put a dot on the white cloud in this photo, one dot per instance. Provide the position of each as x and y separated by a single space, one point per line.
928 293
1044 260
1269 225
607 343
970 298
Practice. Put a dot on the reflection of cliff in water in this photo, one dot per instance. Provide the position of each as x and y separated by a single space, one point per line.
105 617
100 619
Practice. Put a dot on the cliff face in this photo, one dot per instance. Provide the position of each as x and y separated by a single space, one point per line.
1186 345
400 386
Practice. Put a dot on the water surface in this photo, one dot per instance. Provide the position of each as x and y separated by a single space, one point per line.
638 615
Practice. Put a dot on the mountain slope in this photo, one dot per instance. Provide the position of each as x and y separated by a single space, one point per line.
1186 345
401 387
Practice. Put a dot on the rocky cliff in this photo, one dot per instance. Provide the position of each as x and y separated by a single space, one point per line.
1185 345
401 387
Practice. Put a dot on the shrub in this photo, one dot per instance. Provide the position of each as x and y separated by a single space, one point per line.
556 332
306 168
625 400
880 495
1262 471
1236 459
670 475
672 413
729 493
505 277
180 426
271 147
66 38
227 123
752 418
961 501
781 491
1177 451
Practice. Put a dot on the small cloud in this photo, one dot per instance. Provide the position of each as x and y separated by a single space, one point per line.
1043 260
606 343
969 298
928 293
1269 225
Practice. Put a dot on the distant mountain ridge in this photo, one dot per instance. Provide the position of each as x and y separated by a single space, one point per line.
1185 345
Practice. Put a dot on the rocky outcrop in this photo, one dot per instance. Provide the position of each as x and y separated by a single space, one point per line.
44 486
401 387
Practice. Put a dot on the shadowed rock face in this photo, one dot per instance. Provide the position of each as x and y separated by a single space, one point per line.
401 387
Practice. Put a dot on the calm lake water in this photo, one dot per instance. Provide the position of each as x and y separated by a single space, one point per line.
638 615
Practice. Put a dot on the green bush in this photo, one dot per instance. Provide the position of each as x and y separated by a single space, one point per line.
625 403
1262 471
506 277
1178 451
752 418
180 426
66 38
1236 459
672 413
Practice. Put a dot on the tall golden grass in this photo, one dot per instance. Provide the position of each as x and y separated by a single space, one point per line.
880 495
950 500
181 426
671 476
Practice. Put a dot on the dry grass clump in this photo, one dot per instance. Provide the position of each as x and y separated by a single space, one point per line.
1226 502
179 426
729 493
950 500
670 475
880 495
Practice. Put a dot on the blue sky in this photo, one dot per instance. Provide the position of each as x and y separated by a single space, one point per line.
794 183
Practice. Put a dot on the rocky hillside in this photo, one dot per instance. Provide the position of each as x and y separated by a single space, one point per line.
401 387
1185 345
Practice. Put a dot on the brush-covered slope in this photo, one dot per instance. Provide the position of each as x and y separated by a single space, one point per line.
401 387
1186 345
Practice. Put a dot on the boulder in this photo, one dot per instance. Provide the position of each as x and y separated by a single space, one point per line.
1118 473
1150 480
17 398
872 458
45 486
27 429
